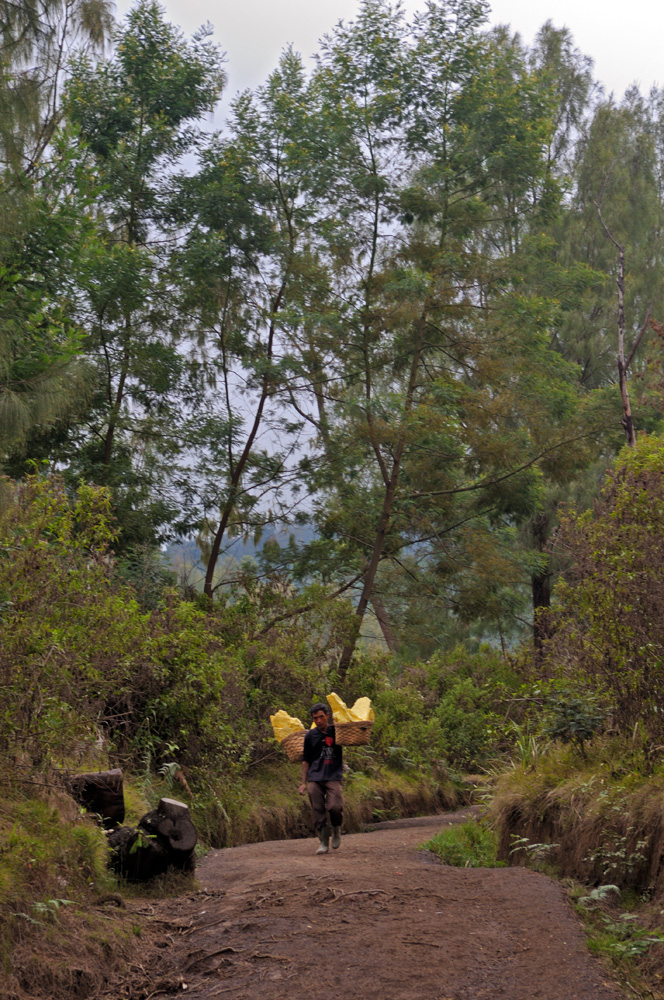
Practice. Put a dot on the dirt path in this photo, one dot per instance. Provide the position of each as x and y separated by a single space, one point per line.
376 920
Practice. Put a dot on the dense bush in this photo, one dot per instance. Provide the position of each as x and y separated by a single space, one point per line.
81 659
447 711
608 625
84 664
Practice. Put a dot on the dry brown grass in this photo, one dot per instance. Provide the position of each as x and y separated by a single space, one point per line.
607 823
75 956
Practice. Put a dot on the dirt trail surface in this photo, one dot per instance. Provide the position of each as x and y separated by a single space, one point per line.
376 919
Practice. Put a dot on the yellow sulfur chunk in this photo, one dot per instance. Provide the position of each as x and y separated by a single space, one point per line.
360 712
284 724
340 712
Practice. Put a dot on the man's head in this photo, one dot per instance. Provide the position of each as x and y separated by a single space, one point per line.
320 715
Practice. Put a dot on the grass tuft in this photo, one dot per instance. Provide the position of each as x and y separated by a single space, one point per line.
469 845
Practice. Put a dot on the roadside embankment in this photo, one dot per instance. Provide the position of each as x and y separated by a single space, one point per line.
600 822
606 821
265 805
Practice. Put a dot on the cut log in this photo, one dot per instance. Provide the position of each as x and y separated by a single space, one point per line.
172 808
171 824
101 792
165 838
135 856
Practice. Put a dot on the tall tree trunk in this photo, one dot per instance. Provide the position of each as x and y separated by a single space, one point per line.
541 590
622 363
239 467
391 485
119 396
370 574
541 586
113 420
384 622
627 421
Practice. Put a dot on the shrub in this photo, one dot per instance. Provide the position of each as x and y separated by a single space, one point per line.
47 851
609 621
80 655
573 720
444 711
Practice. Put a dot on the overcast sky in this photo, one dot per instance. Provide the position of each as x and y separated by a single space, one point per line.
625 40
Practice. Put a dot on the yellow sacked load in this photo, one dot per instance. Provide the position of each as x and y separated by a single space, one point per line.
284 725
360 712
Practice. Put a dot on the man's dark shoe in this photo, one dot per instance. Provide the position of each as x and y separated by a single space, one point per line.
336 837
324 837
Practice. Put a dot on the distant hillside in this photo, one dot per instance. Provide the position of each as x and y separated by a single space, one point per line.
186 553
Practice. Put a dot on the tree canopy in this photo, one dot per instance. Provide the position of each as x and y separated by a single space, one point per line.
369 324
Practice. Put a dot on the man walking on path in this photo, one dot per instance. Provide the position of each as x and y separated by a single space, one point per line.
321 777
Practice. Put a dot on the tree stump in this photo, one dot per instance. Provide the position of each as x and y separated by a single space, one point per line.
101 792
165 838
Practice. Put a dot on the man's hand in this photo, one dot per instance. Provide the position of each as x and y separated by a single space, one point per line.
302 789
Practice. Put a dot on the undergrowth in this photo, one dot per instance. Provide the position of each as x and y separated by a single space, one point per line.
52 871
619 931
469 845
604 812
596 820
48 850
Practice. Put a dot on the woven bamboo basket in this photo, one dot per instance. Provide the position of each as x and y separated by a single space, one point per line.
293 744
352 734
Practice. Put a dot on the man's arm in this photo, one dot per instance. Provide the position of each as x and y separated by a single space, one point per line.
305 771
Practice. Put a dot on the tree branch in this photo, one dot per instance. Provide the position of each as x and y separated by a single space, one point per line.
500 479
308 607
638 339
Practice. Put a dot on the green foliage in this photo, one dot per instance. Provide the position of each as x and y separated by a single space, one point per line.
622 938
175 685
620 855
602 812
374 255
88 655
131 118
447 712
467 721
457 732
146 570
43 380
467 845
608 622
37 42
597 895
420 459
535 855
526 746
573 720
